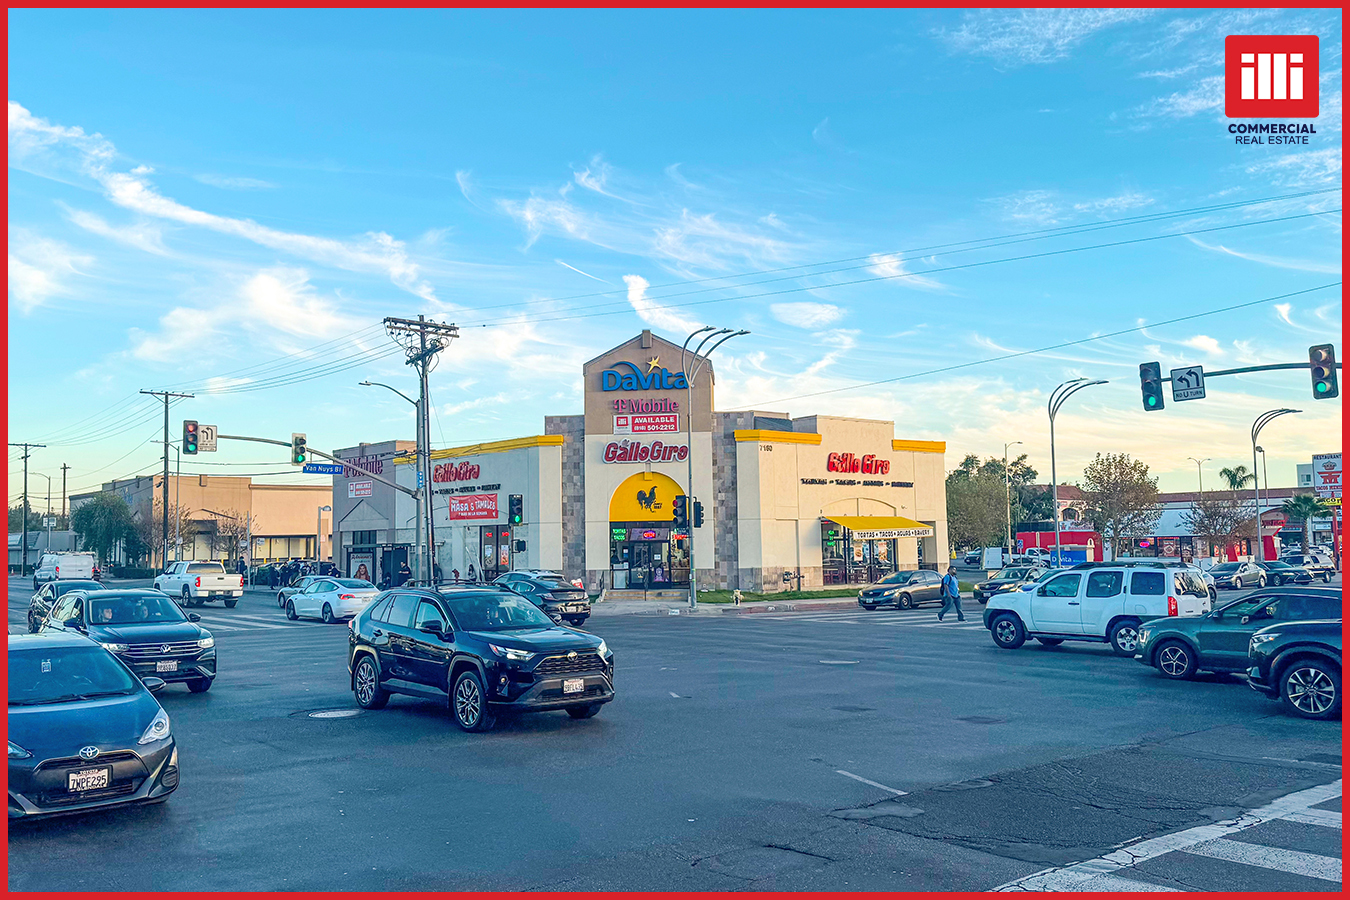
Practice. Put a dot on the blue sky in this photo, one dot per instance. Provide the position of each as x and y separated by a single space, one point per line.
206 200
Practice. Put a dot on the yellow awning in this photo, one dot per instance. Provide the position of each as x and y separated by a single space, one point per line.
869 528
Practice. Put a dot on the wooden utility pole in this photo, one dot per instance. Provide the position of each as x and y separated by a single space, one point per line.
164 493
63 495
23 559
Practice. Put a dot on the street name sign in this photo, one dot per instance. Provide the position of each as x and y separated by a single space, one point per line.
322 468
1188 383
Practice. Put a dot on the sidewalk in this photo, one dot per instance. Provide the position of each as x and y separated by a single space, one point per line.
667 608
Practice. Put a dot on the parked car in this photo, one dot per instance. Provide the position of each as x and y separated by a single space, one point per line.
1009 579
485 651
1319 565
55 566
285 593
1278 572
331 599
145 629
197 582
1238 575
1217 641
904 589
560 600
973 558
41 603
1300 664
84 731
1041 576
1101 602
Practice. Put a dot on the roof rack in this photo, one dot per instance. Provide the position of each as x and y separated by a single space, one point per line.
1149 563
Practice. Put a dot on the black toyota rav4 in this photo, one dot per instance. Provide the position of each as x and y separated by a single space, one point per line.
487 651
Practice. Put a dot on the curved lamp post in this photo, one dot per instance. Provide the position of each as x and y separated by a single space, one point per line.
1007 492
423 525
1262 421
1057 398
1200 472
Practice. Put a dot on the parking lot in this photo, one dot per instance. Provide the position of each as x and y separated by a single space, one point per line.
832 750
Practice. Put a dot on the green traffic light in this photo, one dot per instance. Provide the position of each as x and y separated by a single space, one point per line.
1152 401
1323 387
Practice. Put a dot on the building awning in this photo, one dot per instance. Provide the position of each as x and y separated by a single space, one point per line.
870 528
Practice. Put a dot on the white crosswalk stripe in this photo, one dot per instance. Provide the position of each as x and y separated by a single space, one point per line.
1295 862
917 618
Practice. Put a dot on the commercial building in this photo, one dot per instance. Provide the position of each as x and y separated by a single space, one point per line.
807 502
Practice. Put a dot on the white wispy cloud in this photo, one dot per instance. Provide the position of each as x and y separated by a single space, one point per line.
1205 344
1033 36
1049 208
652 312
141 235
1205 96
39 268
1116 205
1304 169
1279 262
889 265
579 272
705 242
235 182
540 214
39 146
806 314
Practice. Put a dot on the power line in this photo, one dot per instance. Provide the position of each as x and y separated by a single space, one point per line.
1059 346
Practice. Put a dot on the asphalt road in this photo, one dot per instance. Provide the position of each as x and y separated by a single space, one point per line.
820 751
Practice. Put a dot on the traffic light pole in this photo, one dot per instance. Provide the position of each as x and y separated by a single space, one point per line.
164 493
348 463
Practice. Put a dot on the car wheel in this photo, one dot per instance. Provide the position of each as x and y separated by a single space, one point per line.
36 586
583 712
281 600
904 601
230 603
187 598
1175 660
327 615
1213 594
1008 632
1051 642
1261 582
366 685
200 685
1326 577
1312 689
1125 637
869 606
469 703
290 610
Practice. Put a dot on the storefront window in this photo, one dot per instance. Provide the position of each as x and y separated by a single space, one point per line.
647 557
495 552
849 560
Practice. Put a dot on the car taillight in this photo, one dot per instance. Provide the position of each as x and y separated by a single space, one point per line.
58 571
199 581
346 596
1171 606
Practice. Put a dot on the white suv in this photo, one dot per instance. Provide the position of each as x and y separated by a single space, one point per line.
1101 602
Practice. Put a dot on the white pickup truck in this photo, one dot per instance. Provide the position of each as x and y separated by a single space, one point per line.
197 582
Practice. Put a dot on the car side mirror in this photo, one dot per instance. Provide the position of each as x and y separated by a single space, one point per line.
1040 592
432 626
193 617
73 623
152 684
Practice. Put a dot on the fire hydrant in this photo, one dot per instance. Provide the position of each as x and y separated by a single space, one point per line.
736 597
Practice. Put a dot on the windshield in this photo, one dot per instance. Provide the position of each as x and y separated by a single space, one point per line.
63 587
1011 575
1224 569
896 578
1048 572
494 612
205 568
64 674
1244 607
1276 565
355 583
133 609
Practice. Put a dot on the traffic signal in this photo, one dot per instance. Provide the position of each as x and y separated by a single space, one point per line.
698 514
1322 361
1150 381
189 436
681 511
515 509
299 452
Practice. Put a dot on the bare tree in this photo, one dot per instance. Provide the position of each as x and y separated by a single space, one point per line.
1220 520
232 530
149 525
1122 500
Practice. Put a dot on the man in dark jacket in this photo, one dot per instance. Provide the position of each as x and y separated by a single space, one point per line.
404 573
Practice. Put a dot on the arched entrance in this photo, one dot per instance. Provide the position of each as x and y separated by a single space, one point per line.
646 551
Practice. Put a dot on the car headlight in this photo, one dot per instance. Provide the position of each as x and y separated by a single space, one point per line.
603 649
1259 639
157 730
17 752
113 648
511 653
207 642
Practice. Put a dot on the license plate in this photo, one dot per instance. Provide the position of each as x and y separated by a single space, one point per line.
574 685
88 779
572 607
166 665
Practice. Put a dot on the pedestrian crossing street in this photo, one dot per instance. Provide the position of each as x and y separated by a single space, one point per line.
1290 845
925 617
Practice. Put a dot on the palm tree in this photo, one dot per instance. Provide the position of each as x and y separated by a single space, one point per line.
1305 507
1237 478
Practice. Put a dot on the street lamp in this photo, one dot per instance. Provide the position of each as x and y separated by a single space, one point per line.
1200 472
424 525
1057 398
318 536
1007 491
723 335
1261 422
49 510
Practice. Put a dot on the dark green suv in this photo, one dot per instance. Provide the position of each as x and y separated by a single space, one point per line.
1180 646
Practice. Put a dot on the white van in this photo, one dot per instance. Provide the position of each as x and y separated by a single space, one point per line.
1100 602
61 566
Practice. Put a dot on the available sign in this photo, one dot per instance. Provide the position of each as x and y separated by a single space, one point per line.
647 424
473 506
1327 474
360 489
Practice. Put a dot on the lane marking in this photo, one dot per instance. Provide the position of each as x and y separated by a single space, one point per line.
1070 878
872 783
1325 817
839 662
1295 862
675 695
1118 885
217 622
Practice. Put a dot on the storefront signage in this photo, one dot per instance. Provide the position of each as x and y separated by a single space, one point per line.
372 464
880 534
848 462
360 489
1327 474
647 424
633 452
464 471
646 405
649 534
626 376
472 506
